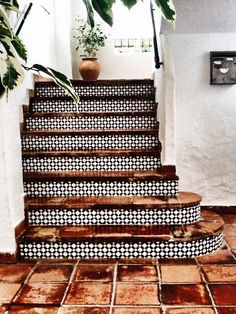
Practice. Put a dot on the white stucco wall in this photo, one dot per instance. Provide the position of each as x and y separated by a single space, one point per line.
205 118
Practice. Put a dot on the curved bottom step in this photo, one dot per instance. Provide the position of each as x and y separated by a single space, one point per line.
187 241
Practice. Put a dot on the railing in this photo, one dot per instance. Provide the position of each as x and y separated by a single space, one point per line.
155 45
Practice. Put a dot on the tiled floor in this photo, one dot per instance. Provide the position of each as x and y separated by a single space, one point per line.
205 285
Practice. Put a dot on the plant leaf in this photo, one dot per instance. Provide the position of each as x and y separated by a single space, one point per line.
10 5
2 89
59 78
167 9
20 47
103 8
129 3
90 13
11 73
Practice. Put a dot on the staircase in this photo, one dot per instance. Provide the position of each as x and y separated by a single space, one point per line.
94 180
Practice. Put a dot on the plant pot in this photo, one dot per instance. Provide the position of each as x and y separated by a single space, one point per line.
89 69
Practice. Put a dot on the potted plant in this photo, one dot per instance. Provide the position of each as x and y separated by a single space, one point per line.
90 40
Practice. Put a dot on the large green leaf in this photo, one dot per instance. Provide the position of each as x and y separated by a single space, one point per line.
90 14
10 4
11 73
103 8
59 78
167 9
129 3
20 47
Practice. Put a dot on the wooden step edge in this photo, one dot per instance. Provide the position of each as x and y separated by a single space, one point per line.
95 97
147 113
100 82
182 200
99 176
70 132
210 224
95 153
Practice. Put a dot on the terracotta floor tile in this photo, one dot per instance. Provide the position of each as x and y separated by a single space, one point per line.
138 261
230 230
49 273
185 294
32 310
136 293
219 257
97 261
137 273
94 273
224 294
14 272
226 310
229 219
231 242
192 310
57 261
176 261
89 293
220 273
83 310
135 310
3 309
41 293
180 273
8 291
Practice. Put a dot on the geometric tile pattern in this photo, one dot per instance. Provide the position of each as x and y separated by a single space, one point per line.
91 163
112 249
79 188
84 142
95 105
90 122
49 90
106 216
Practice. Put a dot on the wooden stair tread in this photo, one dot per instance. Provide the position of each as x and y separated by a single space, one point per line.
99 175
91 113
182 200
96 152
209 225
65 132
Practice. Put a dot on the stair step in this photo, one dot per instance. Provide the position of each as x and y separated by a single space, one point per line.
130 183
91 104
88 140
86 121
123 241
107 160
98 88
181 209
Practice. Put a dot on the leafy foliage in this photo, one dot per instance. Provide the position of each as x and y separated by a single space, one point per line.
13 53
90 39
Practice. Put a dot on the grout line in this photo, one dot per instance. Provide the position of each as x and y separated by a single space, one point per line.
69 282
207 286
114 287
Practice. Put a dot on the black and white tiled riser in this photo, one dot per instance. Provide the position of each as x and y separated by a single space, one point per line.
91 122
93 105
120 249
79 188
140 89
106 216
88 142
107 163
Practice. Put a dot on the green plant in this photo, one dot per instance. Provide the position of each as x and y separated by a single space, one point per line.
13 57
90 39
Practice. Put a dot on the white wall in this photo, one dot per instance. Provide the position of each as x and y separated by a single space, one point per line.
205 118
126 23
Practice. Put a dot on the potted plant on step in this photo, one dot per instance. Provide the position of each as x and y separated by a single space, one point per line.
90 40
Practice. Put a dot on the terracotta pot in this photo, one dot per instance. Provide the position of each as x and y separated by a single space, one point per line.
89 69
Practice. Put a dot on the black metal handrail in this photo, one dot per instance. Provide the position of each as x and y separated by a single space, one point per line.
27 11
155 45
